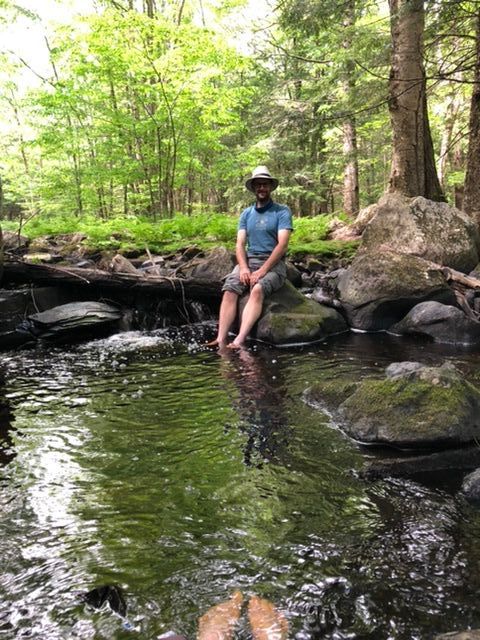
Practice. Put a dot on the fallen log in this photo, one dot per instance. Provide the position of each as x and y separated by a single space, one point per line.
184 288
461 278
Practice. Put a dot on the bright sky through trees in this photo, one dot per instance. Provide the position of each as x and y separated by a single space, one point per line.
26 38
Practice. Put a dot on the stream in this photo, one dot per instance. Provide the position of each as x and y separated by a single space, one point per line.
180 475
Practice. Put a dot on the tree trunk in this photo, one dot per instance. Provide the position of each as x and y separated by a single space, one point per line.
1 203
413 170
149 8
451 115
351 201
471 200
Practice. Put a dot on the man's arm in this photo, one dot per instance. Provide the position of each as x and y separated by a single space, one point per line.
276 255
241 255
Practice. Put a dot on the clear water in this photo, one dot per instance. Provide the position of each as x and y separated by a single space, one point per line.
181 475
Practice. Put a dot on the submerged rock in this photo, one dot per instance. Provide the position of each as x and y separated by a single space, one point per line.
289 317
414 407
379 288
108 594
444 323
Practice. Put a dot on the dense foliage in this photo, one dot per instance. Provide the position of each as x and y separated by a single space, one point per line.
206 231
150 114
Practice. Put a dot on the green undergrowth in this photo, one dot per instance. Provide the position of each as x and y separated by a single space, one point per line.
203 230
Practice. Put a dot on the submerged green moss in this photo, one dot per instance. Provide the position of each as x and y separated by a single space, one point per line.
330 393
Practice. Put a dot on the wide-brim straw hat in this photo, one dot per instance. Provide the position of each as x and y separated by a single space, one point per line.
261 173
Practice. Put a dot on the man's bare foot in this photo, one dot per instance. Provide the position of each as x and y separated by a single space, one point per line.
214 344
218 622
236 345
266 621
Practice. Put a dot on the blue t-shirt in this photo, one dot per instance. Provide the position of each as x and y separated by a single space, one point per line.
262 226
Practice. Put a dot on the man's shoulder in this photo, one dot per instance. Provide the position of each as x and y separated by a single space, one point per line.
279 207
247 210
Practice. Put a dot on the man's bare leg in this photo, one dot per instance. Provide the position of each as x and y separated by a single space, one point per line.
218 622
266 621
251 314
227 315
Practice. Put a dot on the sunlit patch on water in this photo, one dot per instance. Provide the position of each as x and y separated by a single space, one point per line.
181 475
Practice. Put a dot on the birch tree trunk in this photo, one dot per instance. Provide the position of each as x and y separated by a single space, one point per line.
471 201
413 170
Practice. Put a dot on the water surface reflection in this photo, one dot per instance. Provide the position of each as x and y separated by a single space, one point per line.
181 476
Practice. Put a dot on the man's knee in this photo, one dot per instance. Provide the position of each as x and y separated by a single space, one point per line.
230 296
257 292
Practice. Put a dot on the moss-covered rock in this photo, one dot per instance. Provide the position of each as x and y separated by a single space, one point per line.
289 317
418 407
329 394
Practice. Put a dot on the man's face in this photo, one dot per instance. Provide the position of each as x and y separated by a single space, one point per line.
263 189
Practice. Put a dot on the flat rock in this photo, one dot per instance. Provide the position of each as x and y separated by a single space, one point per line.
443 323
70 319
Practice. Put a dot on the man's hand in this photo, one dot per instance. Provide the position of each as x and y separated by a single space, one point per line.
245 276
257 275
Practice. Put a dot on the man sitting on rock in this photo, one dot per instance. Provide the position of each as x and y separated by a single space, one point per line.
262 240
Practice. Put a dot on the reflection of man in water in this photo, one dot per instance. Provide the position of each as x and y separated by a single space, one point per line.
260 403
262 240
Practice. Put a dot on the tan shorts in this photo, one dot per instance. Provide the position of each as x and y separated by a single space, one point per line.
274 279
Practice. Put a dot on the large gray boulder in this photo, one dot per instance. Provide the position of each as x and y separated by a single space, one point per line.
289 317
380 287
431 230
444 323
414 406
